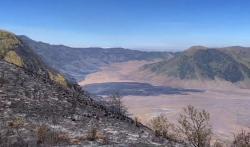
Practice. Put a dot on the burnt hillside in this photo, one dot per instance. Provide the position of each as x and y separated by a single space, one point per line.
37 109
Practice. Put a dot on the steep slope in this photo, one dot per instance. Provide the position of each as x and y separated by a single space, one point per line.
37 111
241 54
78 62
14 51
203 64
37 103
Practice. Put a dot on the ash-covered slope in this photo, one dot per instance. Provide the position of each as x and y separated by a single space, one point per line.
38 104
36 110
78 62
205 64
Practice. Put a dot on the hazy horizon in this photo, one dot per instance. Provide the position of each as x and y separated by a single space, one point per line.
140 48
144 25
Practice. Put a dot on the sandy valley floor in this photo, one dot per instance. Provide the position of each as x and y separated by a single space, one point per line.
230 111
229 107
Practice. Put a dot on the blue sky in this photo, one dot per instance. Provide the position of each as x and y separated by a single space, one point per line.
139 24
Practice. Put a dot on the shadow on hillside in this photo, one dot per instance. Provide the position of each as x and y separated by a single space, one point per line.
135 89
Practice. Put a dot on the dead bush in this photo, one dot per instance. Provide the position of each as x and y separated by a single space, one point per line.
3 79
102 137
76 141
105 140
218 144
42 132
195 127
241 139
116 104
95 135
137 121
162 127
45 135
17 123
16 126
92 134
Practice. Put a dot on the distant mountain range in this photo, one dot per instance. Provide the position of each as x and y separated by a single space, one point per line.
78 62
201 63
230 64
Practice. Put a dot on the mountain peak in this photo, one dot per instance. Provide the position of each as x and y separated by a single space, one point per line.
193 49
197 47
204 64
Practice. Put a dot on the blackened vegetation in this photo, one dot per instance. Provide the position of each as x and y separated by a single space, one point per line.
134 88
115 104
35 111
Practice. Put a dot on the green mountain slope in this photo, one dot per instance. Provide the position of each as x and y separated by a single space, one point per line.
205 64
241 54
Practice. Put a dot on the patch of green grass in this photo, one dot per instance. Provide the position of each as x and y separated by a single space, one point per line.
58 78
14 58
8 41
